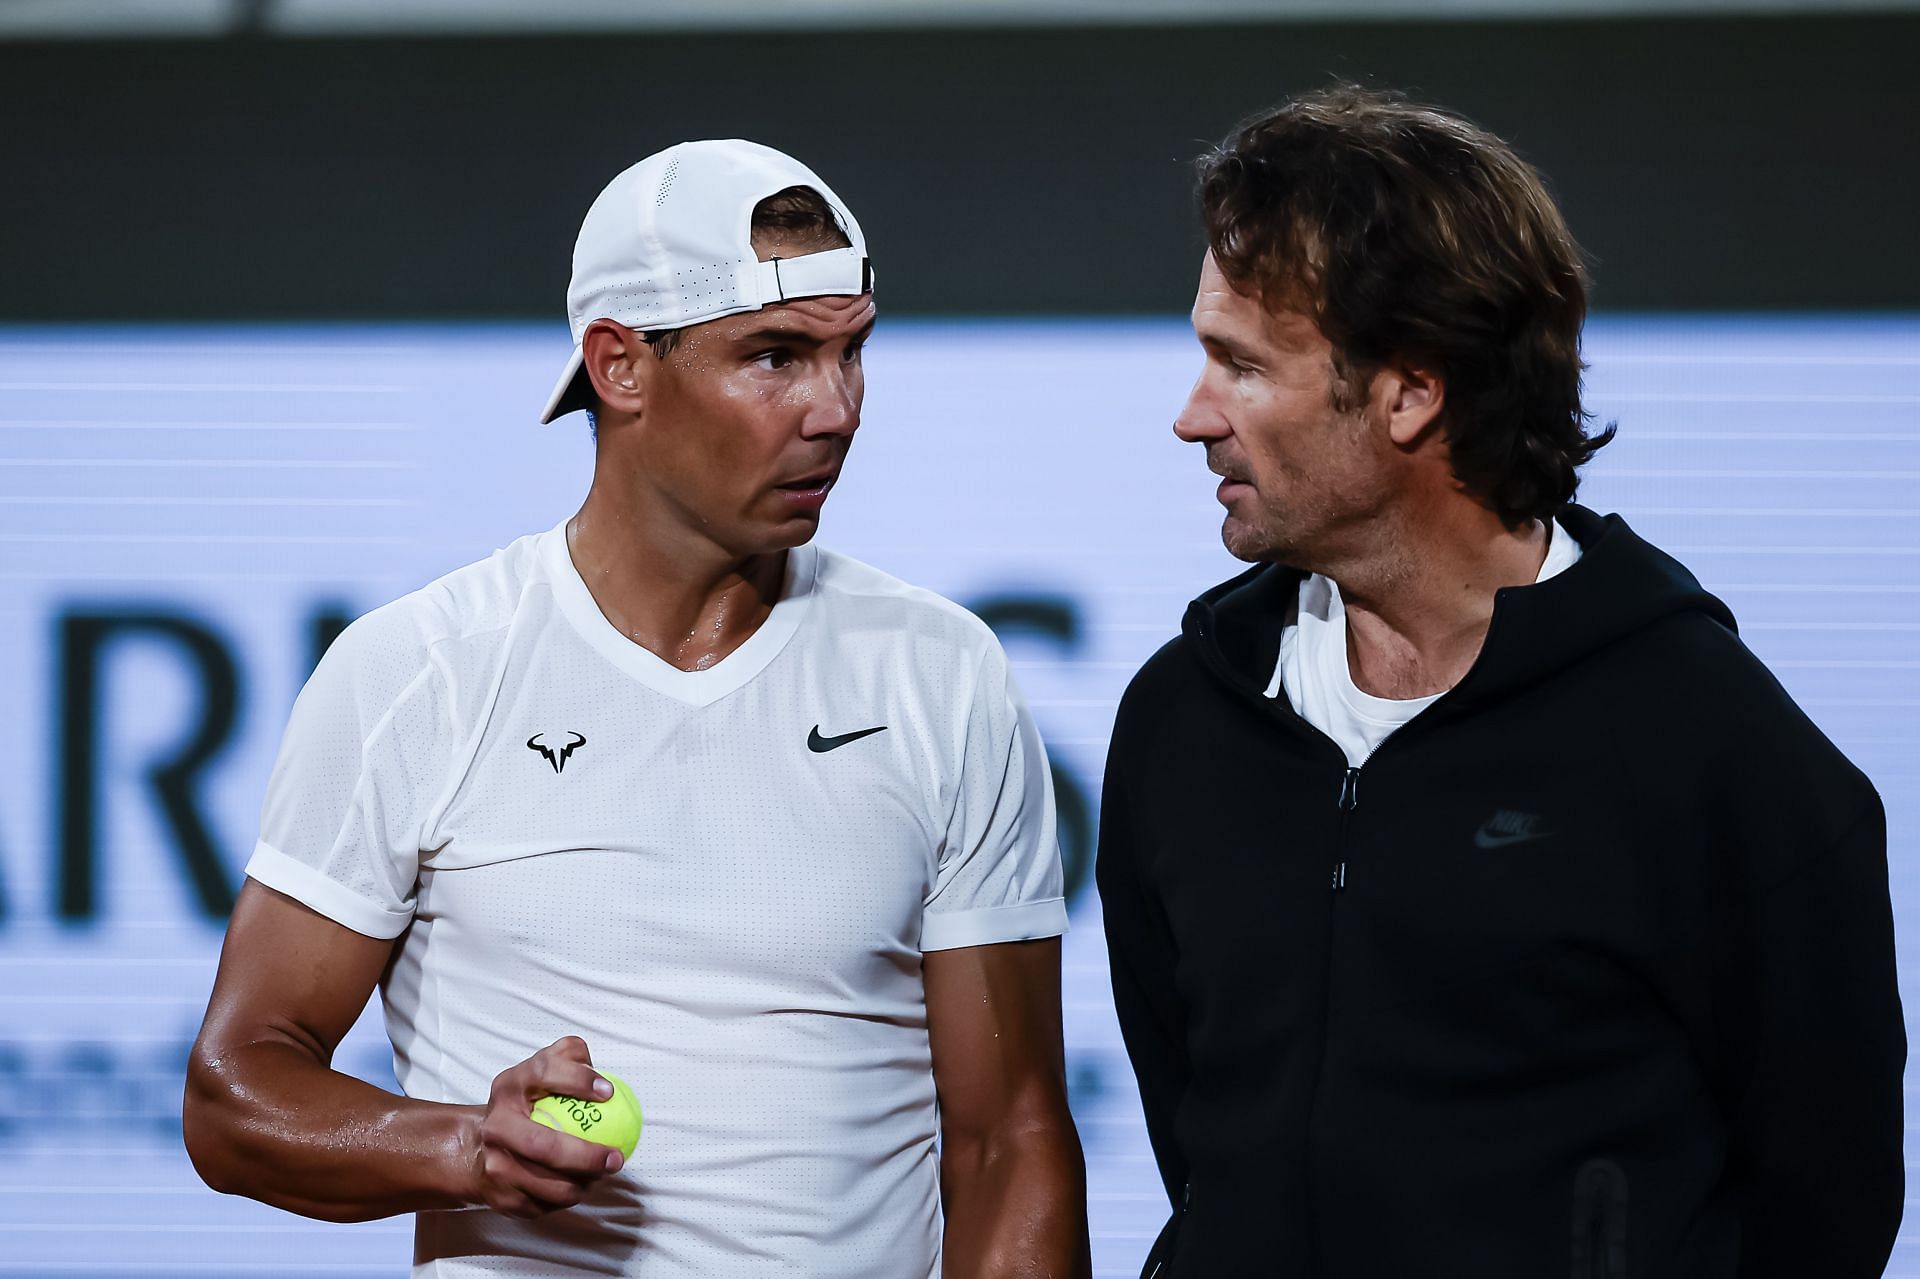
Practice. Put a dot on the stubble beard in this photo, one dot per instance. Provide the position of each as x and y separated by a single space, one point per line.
1297 531
1253 542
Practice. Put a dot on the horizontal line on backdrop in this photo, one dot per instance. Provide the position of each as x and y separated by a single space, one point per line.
348 388
1793 550
1821 437
1803 512
1070 664
126 1151
1843 664
226 463
1638 473
1707 397
134 1269
103 1191
176 1228
205 501
1834 588
1830 626
6 1000
118 1039
322 582
175 923
187 345
64 961
1817 361
217 539
28 424
77 1076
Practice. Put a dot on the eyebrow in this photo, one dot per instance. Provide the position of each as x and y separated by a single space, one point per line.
1233 349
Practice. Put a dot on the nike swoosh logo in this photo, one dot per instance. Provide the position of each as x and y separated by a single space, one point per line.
821 745
1487 839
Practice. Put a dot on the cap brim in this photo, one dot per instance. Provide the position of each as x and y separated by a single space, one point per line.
570 392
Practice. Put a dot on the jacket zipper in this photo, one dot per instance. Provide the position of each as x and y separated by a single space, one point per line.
1349 800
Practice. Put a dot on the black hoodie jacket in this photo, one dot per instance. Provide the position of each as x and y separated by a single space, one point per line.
1588 971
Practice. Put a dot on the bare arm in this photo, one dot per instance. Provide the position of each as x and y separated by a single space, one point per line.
1012 1177
266 1116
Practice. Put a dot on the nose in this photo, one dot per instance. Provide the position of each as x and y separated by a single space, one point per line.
836 404
1200 420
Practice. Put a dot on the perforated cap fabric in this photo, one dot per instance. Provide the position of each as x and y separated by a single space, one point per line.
668 243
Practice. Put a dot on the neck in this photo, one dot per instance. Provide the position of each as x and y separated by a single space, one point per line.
1419 601
664 586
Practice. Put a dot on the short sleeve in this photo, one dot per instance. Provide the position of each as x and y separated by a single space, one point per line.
360 766
999 876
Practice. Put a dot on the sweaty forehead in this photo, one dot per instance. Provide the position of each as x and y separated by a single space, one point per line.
820 317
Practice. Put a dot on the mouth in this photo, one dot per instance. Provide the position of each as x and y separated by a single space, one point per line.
818 482
807 494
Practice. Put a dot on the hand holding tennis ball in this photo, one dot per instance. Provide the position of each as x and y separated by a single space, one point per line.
614 1121
552 1128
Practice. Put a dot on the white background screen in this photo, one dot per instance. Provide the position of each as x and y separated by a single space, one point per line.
186 513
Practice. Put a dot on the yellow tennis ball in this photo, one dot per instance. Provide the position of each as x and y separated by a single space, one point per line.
614 1122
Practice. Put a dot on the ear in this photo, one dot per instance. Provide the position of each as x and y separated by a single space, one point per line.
1411 396
618 361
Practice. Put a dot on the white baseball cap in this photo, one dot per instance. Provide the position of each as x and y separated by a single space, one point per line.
669 243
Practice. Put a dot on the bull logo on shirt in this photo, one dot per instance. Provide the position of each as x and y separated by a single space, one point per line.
555 757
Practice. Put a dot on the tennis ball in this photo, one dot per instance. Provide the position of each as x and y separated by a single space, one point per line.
613 1122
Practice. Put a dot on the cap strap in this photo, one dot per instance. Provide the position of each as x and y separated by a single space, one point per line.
812 275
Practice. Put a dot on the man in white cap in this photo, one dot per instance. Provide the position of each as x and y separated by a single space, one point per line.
767 831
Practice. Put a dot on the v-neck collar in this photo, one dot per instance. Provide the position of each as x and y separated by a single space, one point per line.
696 688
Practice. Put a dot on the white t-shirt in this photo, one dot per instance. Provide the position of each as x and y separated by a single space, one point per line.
728 904
1313 670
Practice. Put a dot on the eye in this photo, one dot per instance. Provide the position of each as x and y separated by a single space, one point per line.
778 358
852 354
1221 356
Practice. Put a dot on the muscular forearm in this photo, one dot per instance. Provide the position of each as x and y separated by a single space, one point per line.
269 1121
1015 1206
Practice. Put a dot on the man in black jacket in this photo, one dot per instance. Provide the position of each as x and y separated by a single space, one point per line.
1478 905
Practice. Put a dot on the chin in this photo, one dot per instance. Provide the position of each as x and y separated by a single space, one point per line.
1244 543
790 533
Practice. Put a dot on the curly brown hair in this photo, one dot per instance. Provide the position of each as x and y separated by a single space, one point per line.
1406 232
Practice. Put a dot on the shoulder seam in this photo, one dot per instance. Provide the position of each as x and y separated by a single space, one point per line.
386 717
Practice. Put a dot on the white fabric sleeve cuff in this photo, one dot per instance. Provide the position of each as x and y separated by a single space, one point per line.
1022 921
310 888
